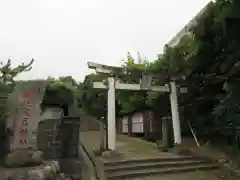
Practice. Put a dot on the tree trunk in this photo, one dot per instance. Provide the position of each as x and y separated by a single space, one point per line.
4 141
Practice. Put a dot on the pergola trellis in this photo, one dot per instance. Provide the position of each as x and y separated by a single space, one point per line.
145 84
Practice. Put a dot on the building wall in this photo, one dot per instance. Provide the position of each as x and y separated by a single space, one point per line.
125 124
186 30
137 123
145 123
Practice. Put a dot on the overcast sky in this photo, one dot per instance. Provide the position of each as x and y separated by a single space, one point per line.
62 35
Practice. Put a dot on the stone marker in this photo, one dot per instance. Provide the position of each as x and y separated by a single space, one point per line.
25 115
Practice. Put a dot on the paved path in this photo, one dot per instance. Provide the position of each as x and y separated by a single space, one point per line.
132 147
128 147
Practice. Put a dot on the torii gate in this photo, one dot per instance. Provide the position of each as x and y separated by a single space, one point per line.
145 84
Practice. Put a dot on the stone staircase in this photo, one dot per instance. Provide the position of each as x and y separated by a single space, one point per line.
72 167
137 168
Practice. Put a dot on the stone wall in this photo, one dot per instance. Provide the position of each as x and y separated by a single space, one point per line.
51 113
92 134
88 123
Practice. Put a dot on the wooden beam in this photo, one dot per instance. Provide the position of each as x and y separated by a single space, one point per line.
135 87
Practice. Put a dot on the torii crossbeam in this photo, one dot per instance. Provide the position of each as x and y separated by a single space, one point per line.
145 85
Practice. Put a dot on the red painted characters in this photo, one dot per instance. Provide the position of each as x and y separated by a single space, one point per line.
26 106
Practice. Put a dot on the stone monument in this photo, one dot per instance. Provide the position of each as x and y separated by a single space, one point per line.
25 115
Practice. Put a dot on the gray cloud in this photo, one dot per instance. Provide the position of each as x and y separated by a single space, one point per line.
62 35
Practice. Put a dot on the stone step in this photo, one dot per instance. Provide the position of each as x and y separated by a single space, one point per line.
148 165
153 159
72 167
157 171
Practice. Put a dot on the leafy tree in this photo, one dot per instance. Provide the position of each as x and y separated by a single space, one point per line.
8 73
213 65
60 91
93 101
209 57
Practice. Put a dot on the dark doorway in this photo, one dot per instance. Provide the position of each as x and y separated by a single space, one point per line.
65 110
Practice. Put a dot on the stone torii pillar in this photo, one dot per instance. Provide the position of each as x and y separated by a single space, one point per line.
111 114
175 113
